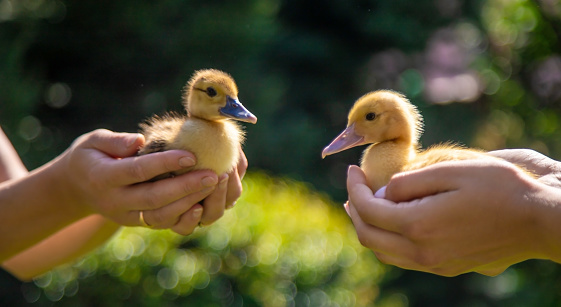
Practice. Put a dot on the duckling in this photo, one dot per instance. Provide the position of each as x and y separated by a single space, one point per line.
392 125
211 101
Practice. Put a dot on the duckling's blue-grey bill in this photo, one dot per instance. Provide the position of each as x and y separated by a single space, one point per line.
235 109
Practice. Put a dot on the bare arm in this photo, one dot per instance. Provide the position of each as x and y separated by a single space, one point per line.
69 243
97 174
66 245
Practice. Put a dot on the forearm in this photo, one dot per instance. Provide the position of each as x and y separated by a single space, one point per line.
71 242
34 207
547 216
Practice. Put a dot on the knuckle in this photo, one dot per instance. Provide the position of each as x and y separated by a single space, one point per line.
191 188
383 258
234 193
137 171
427 259
493 272
506 169
448 272
363 239
243 164
150 200
416 231
166 163
156 218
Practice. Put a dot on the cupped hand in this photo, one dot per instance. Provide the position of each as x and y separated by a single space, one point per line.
228 190
451 217
102 174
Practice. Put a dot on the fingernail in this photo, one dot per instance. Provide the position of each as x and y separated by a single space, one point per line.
209 181
197 213
230 206
381 193
346 206
133 140
186 162
351 168
224 181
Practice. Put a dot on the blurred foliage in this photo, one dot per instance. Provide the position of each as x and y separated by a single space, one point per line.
483 73
294 249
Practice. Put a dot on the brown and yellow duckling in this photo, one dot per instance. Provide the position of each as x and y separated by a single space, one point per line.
211 101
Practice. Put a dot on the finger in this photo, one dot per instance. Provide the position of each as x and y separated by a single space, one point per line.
234 189
434 179
189 220
399 262
169 215
380 213
409 263
242 164
215 203
390 247
377 239
154 195
114 144
142 168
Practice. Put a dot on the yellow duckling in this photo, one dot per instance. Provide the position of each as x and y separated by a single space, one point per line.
389 122
211 100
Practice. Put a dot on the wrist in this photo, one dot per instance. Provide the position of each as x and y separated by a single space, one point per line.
67 188
546 212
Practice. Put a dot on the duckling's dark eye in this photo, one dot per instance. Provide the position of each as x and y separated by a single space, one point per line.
210 91
370 116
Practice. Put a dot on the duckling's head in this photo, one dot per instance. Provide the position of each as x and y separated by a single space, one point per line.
213 95
379 117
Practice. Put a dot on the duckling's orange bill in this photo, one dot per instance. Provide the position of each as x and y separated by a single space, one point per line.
235 110
347 139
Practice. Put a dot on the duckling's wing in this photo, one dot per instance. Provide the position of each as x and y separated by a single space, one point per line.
160 132
445 152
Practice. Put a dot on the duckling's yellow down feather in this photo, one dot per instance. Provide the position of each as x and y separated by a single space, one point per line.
207 131
392 125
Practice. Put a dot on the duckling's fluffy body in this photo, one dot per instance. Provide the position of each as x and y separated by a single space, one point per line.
211 101
221 139
392 125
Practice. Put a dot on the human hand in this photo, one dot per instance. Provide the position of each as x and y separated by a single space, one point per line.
451 217
100 173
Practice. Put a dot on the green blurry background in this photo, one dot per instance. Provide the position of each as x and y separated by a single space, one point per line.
483 73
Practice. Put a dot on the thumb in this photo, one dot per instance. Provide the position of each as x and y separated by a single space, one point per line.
118 145
421 183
